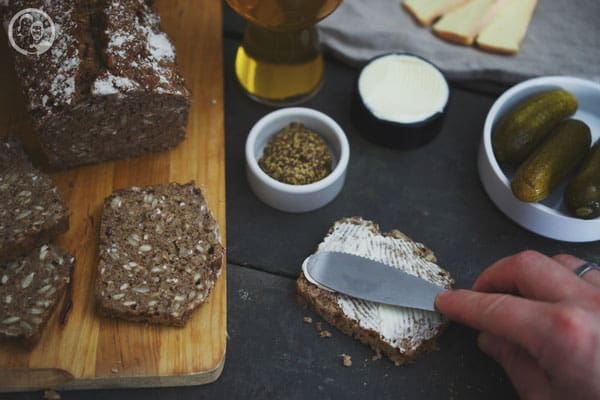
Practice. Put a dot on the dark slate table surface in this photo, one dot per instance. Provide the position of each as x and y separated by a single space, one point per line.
432 194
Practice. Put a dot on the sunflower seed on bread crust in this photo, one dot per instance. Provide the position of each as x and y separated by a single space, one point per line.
30 289
32 212
160 254
398 332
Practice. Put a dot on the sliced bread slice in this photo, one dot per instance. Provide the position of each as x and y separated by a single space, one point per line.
160 254
462 24
427 11
398 332
32 211
30 289
506 31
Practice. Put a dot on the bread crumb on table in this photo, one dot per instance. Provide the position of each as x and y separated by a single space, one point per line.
308 320
50 394
346 360
325 334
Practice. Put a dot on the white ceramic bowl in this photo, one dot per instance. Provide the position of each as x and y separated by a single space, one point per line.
296 198
548 218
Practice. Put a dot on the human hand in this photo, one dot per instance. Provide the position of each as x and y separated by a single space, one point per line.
539 320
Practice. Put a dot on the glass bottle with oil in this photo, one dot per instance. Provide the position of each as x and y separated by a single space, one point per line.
279 61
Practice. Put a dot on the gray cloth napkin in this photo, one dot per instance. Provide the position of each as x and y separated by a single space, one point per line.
563 39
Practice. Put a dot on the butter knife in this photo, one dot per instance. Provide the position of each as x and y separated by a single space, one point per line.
370 280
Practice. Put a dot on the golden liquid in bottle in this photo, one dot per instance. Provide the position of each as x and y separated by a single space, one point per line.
279 61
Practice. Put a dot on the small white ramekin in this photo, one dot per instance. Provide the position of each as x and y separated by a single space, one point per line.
296 198
549 217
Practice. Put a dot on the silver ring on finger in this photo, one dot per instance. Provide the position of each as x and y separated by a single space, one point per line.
585 268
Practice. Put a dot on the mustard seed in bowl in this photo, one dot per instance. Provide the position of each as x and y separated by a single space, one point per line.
296 155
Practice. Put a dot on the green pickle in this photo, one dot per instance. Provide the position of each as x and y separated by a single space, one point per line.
518 132
582 196
556 157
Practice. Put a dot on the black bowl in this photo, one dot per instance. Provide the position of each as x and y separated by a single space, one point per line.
392 133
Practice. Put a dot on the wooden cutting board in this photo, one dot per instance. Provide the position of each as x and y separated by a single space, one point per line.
89 351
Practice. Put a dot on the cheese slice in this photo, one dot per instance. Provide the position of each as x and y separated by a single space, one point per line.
507 30
426 11
462 24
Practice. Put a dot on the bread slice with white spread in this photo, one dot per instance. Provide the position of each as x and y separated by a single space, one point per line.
462 24
507 30
427 11
398 332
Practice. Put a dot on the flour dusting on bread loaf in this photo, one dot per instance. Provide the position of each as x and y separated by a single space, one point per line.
398 332
108 88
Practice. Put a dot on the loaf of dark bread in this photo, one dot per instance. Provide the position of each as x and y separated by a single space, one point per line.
30 289
398 332
108 87
32 212
160 254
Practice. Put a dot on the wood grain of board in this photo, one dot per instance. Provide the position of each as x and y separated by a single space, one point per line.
89 351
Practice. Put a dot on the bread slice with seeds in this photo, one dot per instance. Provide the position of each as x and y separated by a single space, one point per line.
398 332
32 211
160 254
30 289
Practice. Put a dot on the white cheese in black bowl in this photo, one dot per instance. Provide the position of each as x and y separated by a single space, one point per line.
400 100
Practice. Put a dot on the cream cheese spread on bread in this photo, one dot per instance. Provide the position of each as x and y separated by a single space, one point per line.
402 328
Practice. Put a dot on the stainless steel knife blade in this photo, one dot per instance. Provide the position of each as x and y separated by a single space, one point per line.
370 280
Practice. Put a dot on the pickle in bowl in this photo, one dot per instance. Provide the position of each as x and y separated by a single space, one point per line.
582 196
520 130
558 155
